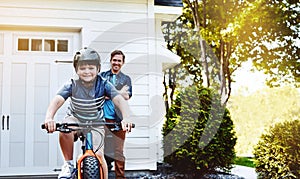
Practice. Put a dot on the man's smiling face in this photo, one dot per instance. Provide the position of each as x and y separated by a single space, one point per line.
116 63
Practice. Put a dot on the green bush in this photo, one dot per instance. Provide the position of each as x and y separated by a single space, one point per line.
198 134
277 154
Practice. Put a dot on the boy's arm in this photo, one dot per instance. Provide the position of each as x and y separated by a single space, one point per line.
120 103
54 105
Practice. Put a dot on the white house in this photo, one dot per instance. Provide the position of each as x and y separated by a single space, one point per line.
38 37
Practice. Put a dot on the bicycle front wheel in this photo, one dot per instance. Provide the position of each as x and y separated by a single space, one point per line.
91 169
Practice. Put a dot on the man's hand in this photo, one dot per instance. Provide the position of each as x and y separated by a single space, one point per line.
125 89
126 126
124 92
50 125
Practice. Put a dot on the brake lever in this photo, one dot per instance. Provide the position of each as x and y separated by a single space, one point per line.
116 128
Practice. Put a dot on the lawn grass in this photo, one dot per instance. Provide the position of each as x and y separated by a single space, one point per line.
244 161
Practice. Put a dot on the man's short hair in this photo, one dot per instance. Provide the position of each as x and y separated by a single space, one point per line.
117 52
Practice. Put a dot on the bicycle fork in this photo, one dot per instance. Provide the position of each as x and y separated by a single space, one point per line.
87 153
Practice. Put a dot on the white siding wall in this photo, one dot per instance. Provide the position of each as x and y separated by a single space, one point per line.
107 25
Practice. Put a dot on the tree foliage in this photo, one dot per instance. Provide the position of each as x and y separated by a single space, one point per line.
199 135
271 40
214 37
277 155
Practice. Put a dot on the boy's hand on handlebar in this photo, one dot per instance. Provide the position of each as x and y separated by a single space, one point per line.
126 126
50 125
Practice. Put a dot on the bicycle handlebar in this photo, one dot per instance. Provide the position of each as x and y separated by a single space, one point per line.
65 127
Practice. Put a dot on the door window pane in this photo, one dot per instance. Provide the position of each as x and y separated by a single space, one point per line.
36 45
23 44
62 45
49 45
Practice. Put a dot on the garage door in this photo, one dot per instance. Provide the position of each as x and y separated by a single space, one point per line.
30 73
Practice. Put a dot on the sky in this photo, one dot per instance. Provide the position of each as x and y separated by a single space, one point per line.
247 79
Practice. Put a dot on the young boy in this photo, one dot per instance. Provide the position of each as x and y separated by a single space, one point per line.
87 94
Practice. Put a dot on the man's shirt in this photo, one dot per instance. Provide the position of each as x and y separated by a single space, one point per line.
110 112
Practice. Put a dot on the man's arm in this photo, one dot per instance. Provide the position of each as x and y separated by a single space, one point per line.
124 92
54 105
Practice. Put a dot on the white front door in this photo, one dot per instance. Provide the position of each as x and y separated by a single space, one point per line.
29 78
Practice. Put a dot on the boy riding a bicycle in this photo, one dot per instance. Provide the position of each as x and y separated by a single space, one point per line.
87 95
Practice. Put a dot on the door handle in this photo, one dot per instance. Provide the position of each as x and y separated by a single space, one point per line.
3 122
7 122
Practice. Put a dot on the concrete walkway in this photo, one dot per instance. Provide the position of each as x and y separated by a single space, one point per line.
246 172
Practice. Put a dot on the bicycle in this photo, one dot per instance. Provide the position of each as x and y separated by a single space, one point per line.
88 165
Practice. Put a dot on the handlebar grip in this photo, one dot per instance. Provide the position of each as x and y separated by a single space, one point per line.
132 125
44 127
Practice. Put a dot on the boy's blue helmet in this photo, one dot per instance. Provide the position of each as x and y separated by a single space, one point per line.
87 55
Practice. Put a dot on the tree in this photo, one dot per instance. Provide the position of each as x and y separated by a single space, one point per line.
272 40
199 137
277 152
214 37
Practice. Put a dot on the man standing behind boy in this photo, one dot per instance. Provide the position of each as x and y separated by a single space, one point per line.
122 83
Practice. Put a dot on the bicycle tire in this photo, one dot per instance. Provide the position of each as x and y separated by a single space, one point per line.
91 169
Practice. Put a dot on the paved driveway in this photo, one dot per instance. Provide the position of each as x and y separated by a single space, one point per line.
246 172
